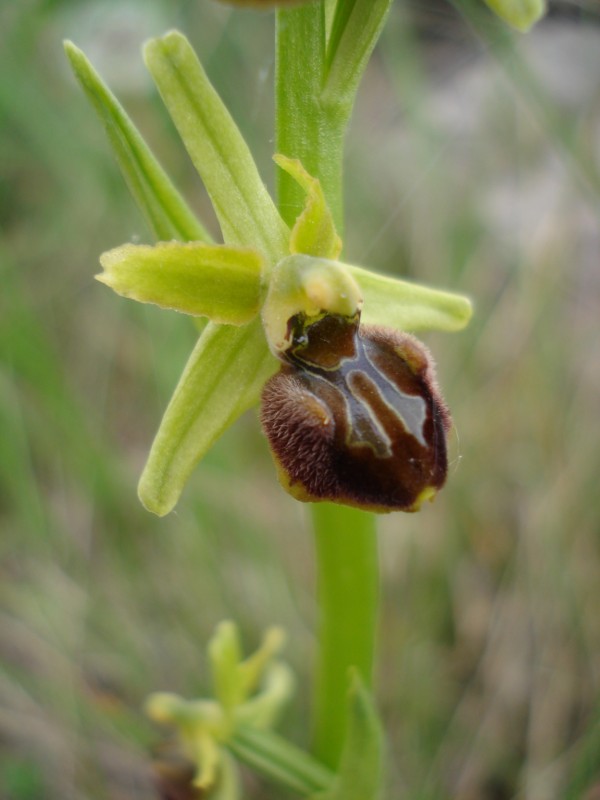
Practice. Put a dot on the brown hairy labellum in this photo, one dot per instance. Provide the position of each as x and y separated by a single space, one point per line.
354 416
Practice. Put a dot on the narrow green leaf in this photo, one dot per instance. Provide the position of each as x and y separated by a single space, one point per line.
166 211
269 754
314 232
521 14
222 379
246 213
355 29
228 786
216 281
409 306
360 773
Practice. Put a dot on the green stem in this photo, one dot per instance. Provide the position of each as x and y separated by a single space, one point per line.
307 127
312 128
348 592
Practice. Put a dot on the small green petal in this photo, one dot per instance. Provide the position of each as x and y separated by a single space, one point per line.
308 285
314 232
252 667
409 306
263 711
360 773
216 281
245 210
224 377
166 211
521 14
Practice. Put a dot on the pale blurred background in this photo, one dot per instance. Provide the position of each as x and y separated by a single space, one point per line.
473 163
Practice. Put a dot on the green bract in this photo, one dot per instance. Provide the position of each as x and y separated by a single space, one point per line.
262 264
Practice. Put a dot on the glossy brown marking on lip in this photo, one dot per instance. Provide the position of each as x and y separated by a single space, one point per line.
355 416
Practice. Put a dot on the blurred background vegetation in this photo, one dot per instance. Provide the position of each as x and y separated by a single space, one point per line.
472 164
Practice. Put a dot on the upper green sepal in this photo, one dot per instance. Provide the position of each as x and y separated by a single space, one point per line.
521 14
246 212
216 281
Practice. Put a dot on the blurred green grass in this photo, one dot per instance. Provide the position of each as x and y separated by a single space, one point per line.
490 633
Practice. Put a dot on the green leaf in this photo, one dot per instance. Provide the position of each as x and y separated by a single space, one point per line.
217 281
360 773
521 14
314 232
355 29
246 213
222 379
409 306
166 211
281 761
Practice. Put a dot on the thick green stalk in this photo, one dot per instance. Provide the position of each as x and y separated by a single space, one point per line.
306 127
348 593
310 125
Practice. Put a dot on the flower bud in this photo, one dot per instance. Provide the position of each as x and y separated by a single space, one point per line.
354 416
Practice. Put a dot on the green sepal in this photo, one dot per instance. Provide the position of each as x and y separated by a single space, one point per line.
223 378
314 232
409 306
307 285
521 14
263 711
225 653
360 773
244 208
216 281
166 211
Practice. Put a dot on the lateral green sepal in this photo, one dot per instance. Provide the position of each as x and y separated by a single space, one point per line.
165 209
245 210
314 232
409 306
223 378
216 281
360 774
521 14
